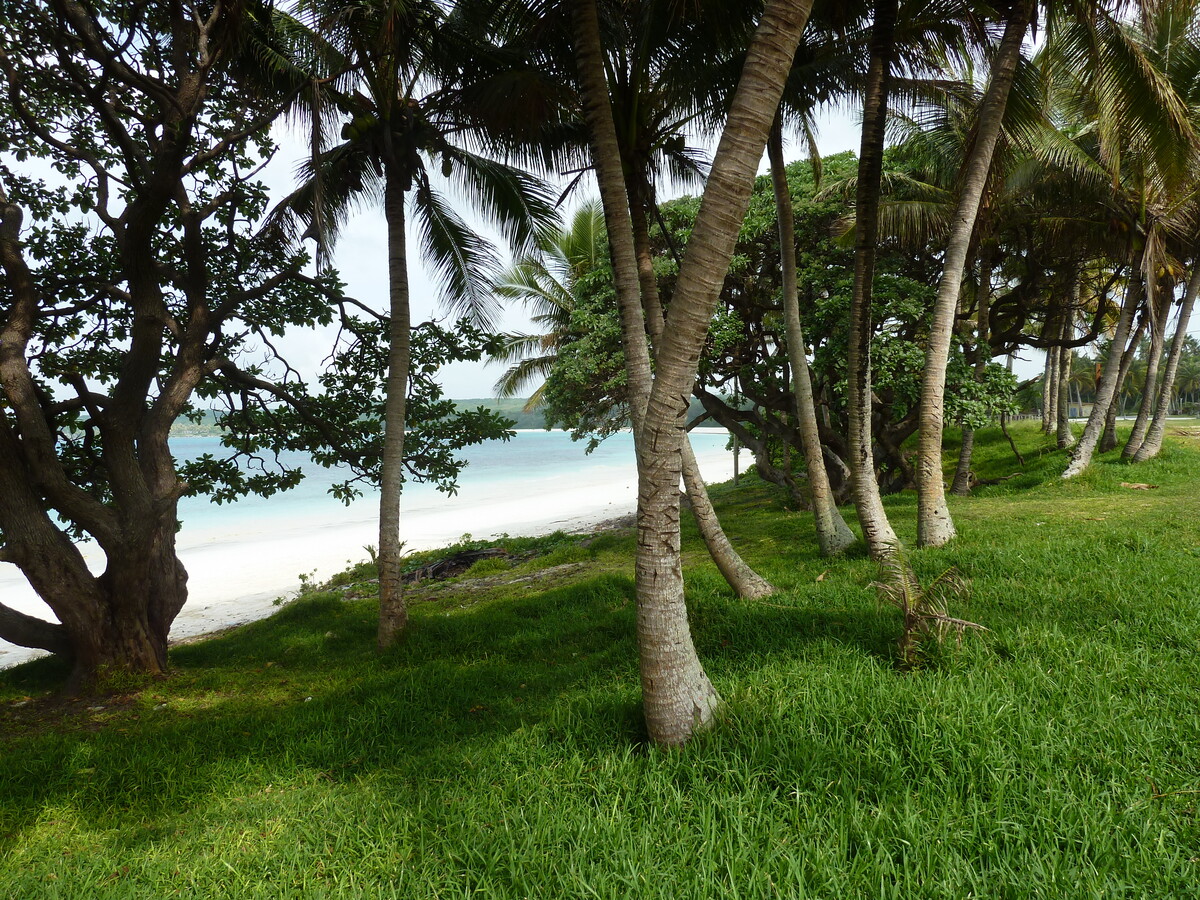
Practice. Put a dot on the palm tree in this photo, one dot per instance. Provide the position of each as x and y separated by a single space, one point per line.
400 119
1151 446
934 525
544 282
833 535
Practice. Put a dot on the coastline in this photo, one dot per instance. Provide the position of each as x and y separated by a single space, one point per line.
235 578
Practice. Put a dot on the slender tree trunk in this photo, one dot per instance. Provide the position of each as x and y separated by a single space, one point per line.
1108 440
737 573
1065 436
1154 436
983 355
877 531
1053 368
393 609
833 535
1160 301
962 472
934 525
677 695
1081 456
1048 371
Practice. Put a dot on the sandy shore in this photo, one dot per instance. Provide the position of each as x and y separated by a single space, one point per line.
236 577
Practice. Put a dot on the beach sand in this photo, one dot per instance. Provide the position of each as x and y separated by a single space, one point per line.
237 577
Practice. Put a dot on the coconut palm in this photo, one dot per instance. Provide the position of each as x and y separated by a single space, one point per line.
398 58
544 282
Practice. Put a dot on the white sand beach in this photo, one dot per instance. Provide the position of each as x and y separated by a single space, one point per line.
236 576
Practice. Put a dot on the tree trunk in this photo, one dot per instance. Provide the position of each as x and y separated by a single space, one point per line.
962 472
738 574
114 624
1063 422
833 535
1108 440
1050 390
1081 456
877 531
1154 436
1161 305
983 355
677 695
934 525
1047 388
393 609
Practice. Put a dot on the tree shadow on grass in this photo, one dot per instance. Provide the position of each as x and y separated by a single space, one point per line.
305 692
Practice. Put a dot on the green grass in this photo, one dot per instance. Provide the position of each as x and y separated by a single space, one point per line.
499 751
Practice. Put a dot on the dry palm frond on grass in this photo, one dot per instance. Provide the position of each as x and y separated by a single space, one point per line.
924 607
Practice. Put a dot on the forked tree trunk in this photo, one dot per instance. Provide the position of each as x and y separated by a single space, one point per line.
112 625
1081 456
934 525
736 571
1154 436
877 531
393 609
677 695
1108 440
1160 301
833 535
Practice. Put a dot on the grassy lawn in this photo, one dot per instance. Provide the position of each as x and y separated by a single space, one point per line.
499 751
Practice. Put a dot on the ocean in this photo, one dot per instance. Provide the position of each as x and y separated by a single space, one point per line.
242 556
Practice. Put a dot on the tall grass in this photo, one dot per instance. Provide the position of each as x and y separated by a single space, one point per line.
498 752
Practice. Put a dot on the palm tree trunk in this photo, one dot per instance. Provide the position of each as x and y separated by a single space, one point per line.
393 610
1081 456
1108 440
1065 437
983 291
1158 335
1154 436
1053 368
1048 371
677 695
833 535
736 571
877 530
934 525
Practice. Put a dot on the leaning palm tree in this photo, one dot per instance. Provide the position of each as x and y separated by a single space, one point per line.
399 60
934 525
544 282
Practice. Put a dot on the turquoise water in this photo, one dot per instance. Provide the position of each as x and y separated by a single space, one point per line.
530 456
